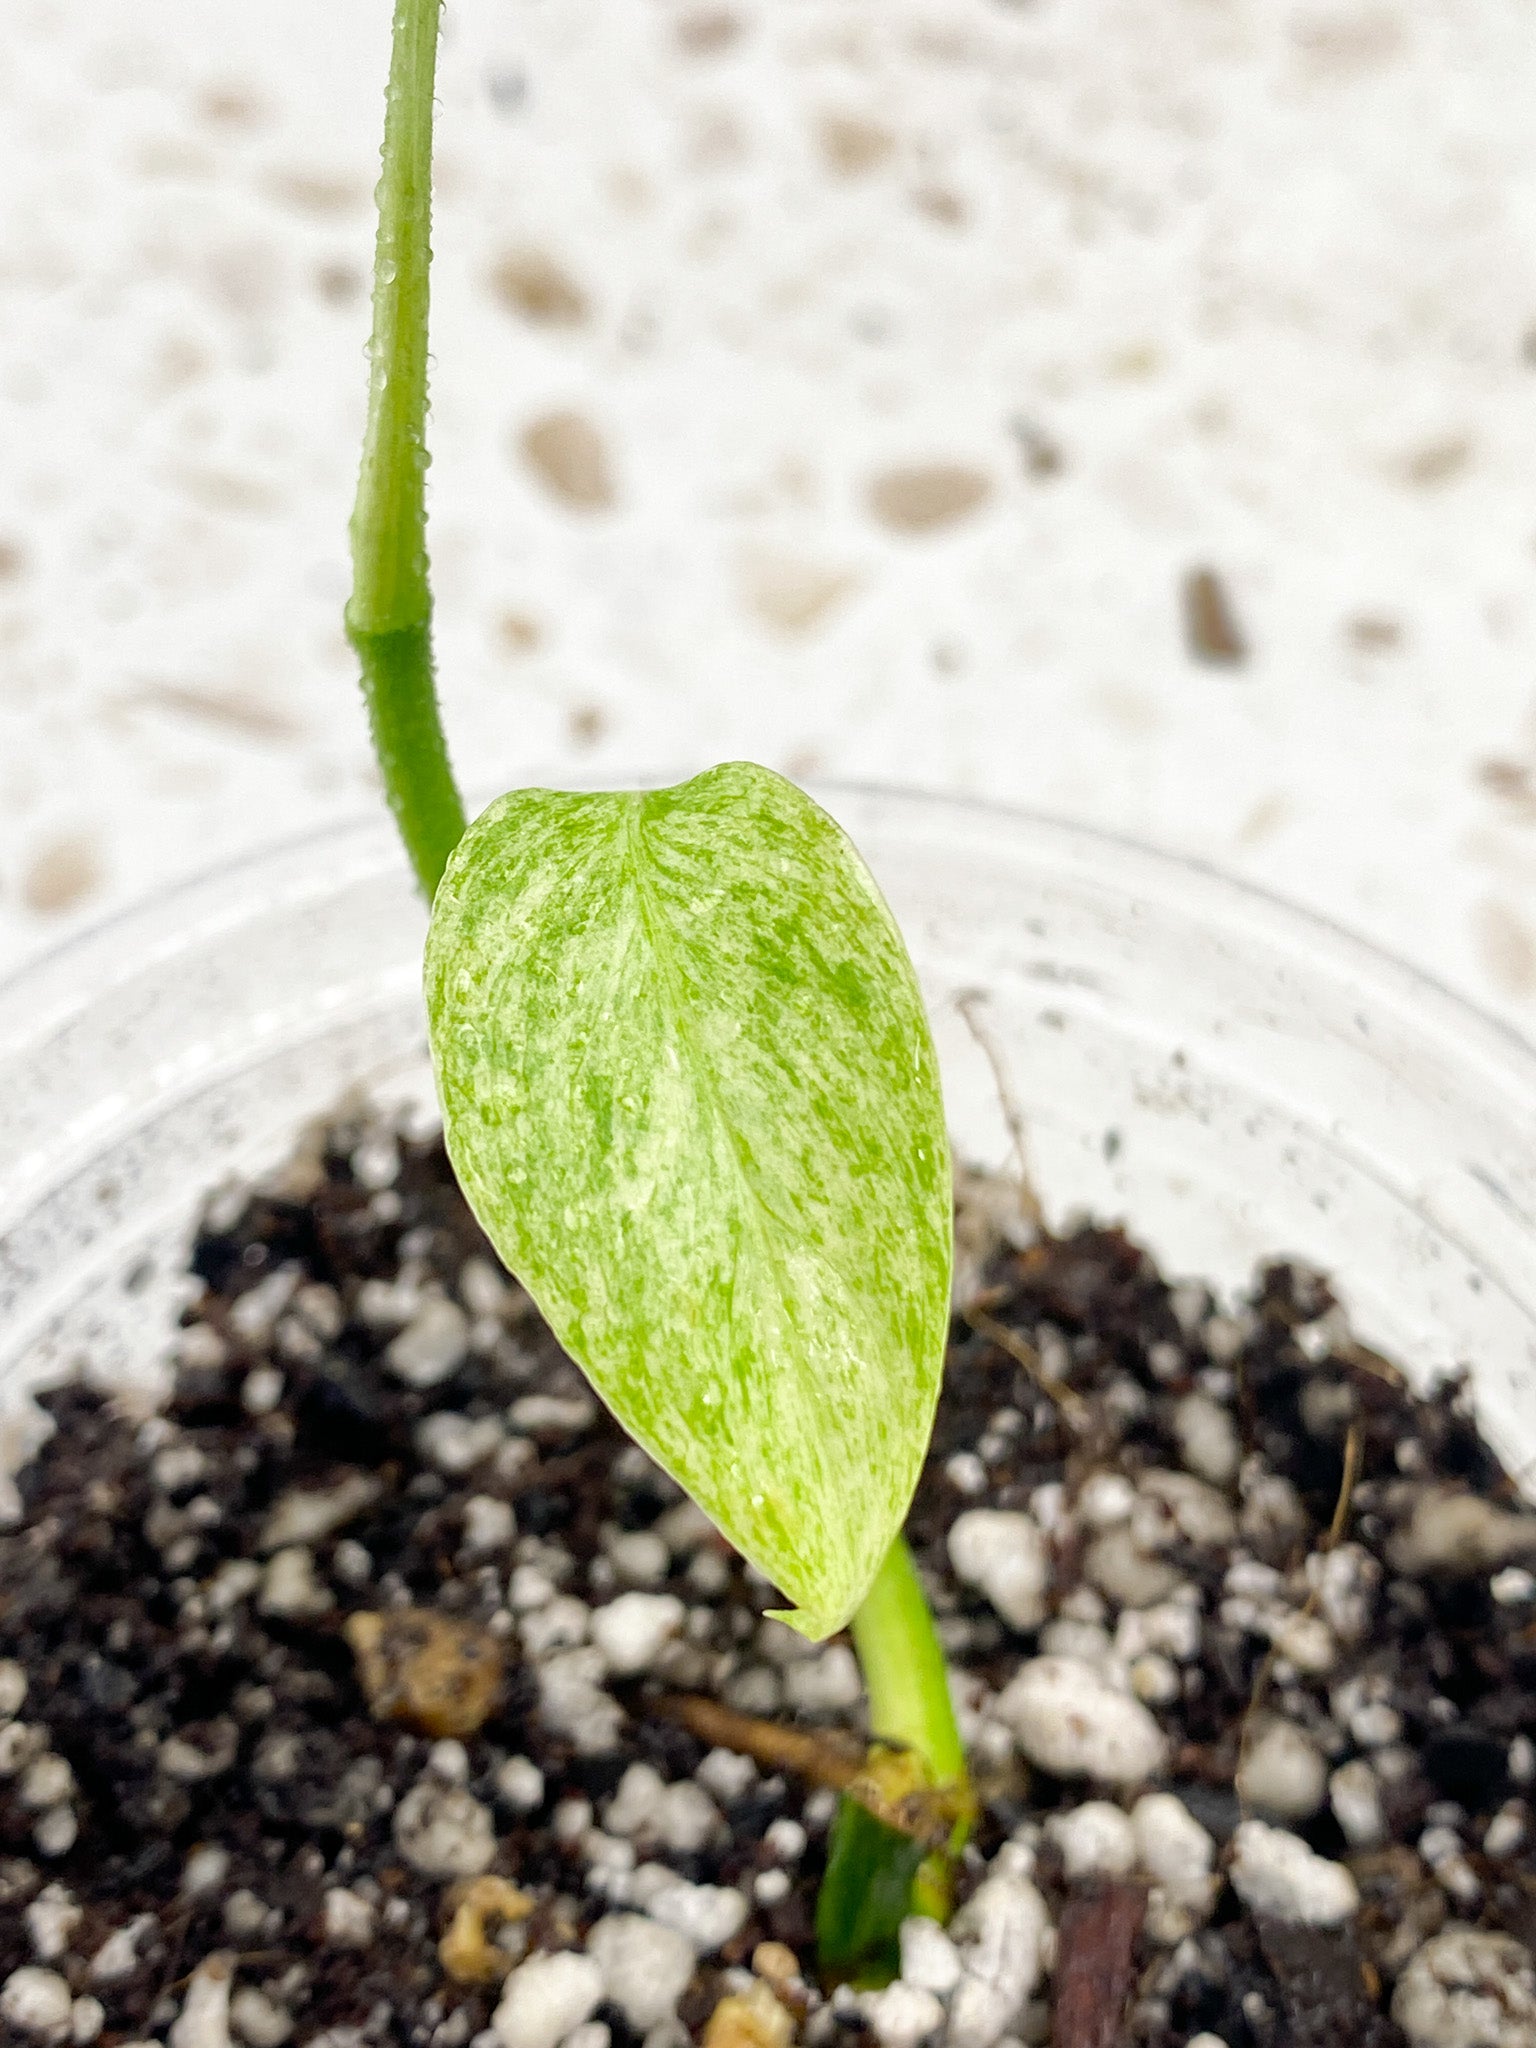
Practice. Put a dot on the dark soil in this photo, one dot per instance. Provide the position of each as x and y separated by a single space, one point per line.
228 1773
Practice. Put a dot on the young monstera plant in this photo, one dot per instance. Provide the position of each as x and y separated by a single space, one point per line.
689 1091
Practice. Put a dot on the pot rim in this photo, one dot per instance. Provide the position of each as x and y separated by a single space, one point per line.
1143 868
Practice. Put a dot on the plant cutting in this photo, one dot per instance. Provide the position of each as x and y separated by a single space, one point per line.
370 1688
690 1094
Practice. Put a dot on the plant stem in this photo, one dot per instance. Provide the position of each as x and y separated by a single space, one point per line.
909 1702
389 618
389 623
904 1670
878 1871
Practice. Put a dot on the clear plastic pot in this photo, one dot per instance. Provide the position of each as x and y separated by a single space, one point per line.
1230 1077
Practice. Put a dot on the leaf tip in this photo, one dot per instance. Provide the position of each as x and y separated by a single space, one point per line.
815 1627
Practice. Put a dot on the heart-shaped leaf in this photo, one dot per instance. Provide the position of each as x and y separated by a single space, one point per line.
689 1090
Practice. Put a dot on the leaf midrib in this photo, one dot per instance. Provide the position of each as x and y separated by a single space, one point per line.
657 933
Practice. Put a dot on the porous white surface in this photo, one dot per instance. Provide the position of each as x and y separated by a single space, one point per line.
1095 1840
1173 1848
1275 1872
708 1914
1242 286
203 2021
348 1919
632 1630
902 2014
1069 1719
1355 1796
36 2002
929 1959
999 1932
51 1919
118 1955
1460 1534
290 1588
1208 1438
444 1831
689 1818
1468 1989
1003 1554
259 2020
87 2017
13 1687
826 1683
640 1556
520 1784
636 1806
1282 1771
431 1346
646 1966
489 1525
546 1997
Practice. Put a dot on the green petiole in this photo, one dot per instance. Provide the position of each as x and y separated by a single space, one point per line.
909 1703
389 618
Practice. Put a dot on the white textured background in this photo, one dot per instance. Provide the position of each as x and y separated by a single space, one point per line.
1248 284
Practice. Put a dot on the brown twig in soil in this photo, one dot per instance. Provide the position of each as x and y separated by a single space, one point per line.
883 1778
1096 1965
968 1003
1022 1352
826 1759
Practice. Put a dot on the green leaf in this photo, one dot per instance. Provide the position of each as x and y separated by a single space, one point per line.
689 1091
864 1896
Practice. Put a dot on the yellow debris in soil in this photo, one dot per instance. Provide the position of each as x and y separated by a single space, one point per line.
776 1961
464 1951
442 1676
749 2019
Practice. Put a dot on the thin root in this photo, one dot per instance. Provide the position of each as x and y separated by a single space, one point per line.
1353 1452
1330 1540
969 1004
1067 1399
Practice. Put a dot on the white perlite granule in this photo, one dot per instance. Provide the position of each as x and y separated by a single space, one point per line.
1070 1720
432 1346
36 2002
1282 1771
646 1966
999 1932
1275 1872
1095 1840
1468 1989
545 1998
444 1831
902 2015
929 1959
631 1630
204 2017
1004 1556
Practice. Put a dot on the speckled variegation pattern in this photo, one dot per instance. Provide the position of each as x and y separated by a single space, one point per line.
690 1092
